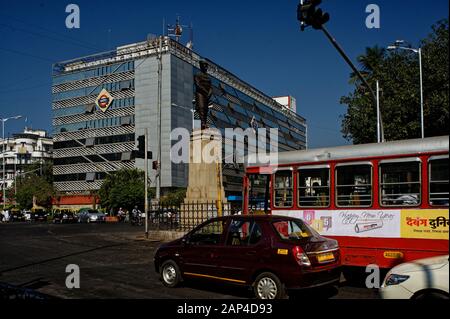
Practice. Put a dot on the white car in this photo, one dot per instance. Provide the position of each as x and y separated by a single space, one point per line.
420 279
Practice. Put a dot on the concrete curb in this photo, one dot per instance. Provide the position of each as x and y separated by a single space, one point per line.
161 236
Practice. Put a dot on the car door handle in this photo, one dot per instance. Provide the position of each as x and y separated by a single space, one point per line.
251 253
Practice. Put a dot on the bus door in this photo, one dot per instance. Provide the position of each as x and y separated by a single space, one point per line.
257 194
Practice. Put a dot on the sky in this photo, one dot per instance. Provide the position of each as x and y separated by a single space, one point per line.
259 41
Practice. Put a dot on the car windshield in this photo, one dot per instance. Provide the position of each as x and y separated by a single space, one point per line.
293 229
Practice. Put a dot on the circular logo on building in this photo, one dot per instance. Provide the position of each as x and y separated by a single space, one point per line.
104 100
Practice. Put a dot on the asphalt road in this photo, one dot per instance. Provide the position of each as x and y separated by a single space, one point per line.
114 263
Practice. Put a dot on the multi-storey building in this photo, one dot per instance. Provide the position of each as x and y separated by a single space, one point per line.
22 150
89 142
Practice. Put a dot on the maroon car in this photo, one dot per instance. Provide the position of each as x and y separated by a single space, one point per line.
273 254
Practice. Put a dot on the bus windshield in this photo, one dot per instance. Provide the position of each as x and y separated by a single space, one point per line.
259 194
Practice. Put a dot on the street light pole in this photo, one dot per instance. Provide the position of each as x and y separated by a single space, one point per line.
397 46
421 93
4 120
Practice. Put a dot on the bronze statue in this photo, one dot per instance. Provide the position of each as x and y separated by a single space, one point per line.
203 93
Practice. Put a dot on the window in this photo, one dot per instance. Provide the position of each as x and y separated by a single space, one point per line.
438 188
258 194
314 187
90 142
283 194
293 229
354 185
90 108
243 233
208 234
90 177
400 183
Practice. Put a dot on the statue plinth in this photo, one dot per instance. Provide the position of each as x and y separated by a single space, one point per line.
205 169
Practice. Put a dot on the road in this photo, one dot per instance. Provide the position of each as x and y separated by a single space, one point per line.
114 263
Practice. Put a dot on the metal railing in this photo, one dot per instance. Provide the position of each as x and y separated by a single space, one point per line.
184 217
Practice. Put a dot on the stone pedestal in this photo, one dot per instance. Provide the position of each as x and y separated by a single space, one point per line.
205 170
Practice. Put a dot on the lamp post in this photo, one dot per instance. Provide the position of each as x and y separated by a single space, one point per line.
4 120
398 46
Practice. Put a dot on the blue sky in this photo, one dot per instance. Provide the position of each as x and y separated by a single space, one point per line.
259 41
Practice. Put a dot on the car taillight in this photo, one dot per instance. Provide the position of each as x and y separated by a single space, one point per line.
300 256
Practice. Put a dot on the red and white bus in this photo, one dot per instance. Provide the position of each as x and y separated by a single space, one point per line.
385 203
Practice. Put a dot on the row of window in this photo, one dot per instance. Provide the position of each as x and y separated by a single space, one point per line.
113 139
93 124
400 185
267 113
81 109
94 90
92 73
262 114
114 157
85 177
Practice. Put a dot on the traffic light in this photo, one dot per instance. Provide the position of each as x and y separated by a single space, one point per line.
155 165
309 15
140 153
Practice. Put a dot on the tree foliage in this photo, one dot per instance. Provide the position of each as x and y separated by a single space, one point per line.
30 186
174 198
124 188
398 74
36 181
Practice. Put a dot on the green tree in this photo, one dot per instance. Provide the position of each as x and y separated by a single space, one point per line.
124 188
174 198
398 73
30 186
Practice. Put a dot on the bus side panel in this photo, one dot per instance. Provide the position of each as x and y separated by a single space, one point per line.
385 252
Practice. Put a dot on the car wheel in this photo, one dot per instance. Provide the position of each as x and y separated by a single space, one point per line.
170 274
431 295
269 286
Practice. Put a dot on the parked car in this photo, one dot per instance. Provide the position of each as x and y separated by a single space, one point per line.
64 216
273 254
420 279
39 215
91 216
17 216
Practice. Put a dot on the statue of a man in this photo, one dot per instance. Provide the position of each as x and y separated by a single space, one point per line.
203 93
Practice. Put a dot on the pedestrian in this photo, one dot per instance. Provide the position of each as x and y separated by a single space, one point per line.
6 215
121 214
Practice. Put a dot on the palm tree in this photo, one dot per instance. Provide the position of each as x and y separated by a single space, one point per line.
370 63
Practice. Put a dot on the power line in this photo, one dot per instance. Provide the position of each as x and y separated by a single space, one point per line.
45 36
26 54
34 26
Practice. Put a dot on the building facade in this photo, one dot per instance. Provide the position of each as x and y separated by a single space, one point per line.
22 150
89 142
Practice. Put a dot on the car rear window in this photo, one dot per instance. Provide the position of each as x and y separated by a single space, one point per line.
293 229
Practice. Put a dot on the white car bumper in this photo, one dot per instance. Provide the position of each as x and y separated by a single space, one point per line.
395 292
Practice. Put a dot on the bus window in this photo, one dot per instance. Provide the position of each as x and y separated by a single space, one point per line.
400 184
282 189
354 185
259 194
438 171
314 187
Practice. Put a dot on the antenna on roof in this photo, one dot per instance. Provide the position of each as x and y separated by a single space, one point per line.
176 31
